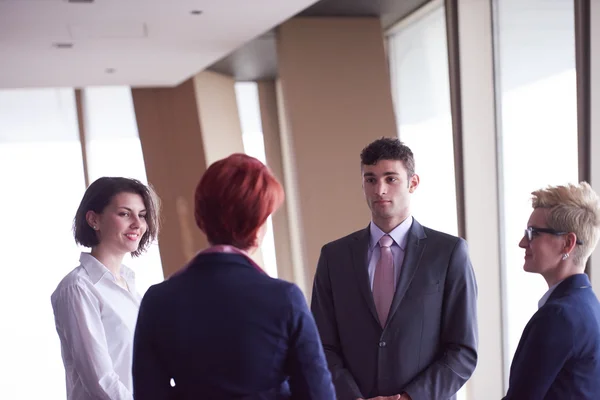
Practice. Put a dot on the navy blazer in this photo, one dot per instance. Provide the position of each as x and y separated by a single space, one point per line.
559 353
222 329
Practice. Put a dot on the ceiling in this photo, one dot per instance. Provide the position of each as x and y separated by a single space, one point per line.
139 43
390 11
257 59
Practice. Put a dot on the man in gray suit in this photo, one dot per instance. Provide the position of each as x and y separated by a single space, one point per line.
395 303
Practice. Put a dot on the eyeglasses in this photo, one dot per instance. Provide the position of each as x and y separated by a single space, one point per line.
531 231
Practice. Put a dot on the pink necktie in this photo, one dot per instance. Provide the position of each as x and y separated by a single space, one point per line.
383 281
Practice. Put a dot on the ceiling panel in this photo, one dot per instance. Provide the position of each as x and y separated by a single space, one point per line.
258 59
146 43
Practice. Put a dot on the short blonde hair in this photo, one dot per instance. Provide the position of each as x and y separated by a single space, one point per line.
573 208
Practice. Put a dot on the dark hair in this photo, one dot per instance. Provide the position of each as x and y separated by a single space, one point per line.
100 193
234 198
388 149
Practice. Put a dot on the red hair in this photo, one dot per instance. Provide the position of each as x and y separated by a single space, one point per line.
234 198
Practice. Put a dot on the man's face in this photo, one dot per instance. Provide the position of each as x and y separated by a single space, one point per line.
388 189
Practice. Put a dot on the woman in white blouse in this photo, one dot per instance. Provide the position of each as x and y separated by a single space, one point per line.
96 305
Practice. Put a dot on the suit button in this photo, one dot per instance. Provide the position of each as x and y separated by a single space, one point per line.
382 344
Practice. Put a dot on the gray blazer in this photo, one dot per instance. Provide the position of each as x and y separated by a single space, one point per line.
428 347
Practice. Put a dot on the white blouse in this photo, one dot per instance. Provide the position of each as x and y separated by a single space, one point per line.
95 320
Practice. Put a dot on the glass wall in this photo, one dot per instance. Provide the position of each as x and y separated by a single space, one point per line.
538 131
41 176
252 137
113 148
421 90
41 173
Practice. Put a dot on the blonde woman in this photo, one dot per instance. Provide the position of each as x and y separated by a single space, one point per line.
558 356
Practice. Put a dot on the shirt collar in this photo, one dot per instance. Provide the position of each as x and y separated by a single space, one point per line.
399 234
223 249
96 270
546 295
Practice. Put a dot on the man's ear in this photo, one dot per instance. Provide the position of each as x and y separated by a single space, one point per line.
413 183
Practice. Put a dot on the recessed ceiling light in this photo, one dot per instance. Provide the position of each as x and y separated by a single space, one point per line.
110 70
63 45
196 12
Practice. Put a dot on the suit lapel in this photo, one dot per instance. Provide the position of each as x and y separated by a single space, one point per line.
360 247
415 245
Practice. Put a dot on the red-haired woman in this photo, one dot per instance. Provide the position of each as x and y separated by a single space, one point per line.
222 328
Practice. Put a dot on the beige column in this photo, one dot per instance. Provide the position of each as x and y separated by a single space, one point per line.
335 98
481 196
219 117
182 131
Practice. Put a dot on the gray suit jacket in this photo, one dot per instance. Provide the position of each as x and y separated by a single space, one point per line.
428 347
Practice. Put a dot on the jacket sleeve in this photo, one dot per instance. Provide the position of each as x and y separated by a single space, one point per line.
77 312
458 356
324 314
309 377
544 348
151 379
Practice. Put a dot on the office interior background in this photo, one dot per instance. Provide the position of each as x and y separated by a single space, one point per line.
495 97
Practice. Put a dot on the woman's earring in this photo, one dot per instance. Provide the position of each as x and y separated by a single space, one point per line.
565 256
95 228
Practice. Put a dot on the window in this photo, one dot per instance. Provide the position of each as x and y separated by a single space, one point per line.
114 149
252 137
41 176
421 91
538 135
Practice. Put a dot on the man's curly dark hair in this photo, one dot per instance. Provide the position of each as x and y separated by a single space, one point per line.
388 149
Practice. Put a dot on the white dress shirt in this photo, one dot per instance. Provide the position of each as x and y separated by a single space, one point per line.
546 295
95 320
400 236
